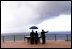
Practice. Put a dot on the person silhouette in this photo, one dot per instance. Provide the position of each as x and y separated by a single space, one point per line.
36 37
43 36
32 37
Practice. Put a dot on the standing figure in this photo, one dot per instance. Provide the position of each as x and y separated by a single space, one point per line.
43 36
36 37
32 37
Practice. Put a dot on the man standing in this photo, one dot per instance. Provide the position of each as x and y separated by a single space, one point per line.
32 37
43 36
36 37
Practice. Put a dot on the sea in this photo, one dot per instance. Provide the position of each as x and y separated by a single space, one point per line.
49 36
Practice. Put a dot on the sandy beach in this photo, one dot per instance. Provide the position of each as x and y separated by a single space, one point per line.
24 44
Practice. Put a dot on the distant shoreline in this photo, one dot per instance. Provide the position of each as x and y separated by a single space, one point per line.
59 32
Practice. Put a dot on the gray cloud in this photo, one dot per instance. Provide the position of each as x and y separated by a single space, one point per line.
50 9
24 13
53 9
44 10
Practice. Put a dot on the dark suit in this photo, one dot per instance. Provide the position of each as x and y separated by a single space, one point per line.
32 37
36 38
43 37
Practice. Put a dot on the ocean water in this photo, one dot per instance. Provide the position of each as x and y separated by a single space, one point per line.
49 36
58 36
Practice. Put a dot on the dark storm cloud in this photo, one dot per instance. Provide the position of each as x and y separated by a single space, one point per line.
36 12
53 9
18 14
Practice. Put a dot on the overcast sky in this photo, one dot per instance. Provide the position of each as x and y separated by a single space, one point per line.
18 16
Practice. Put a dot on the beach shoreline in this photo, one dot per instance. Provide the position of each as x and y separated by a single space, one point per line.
24 44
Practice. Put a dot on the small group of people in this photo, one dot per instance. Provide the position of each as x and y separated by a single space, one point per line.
35 39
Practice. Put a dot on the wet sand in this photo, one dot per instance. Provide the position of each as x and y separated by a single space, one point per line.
24 44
